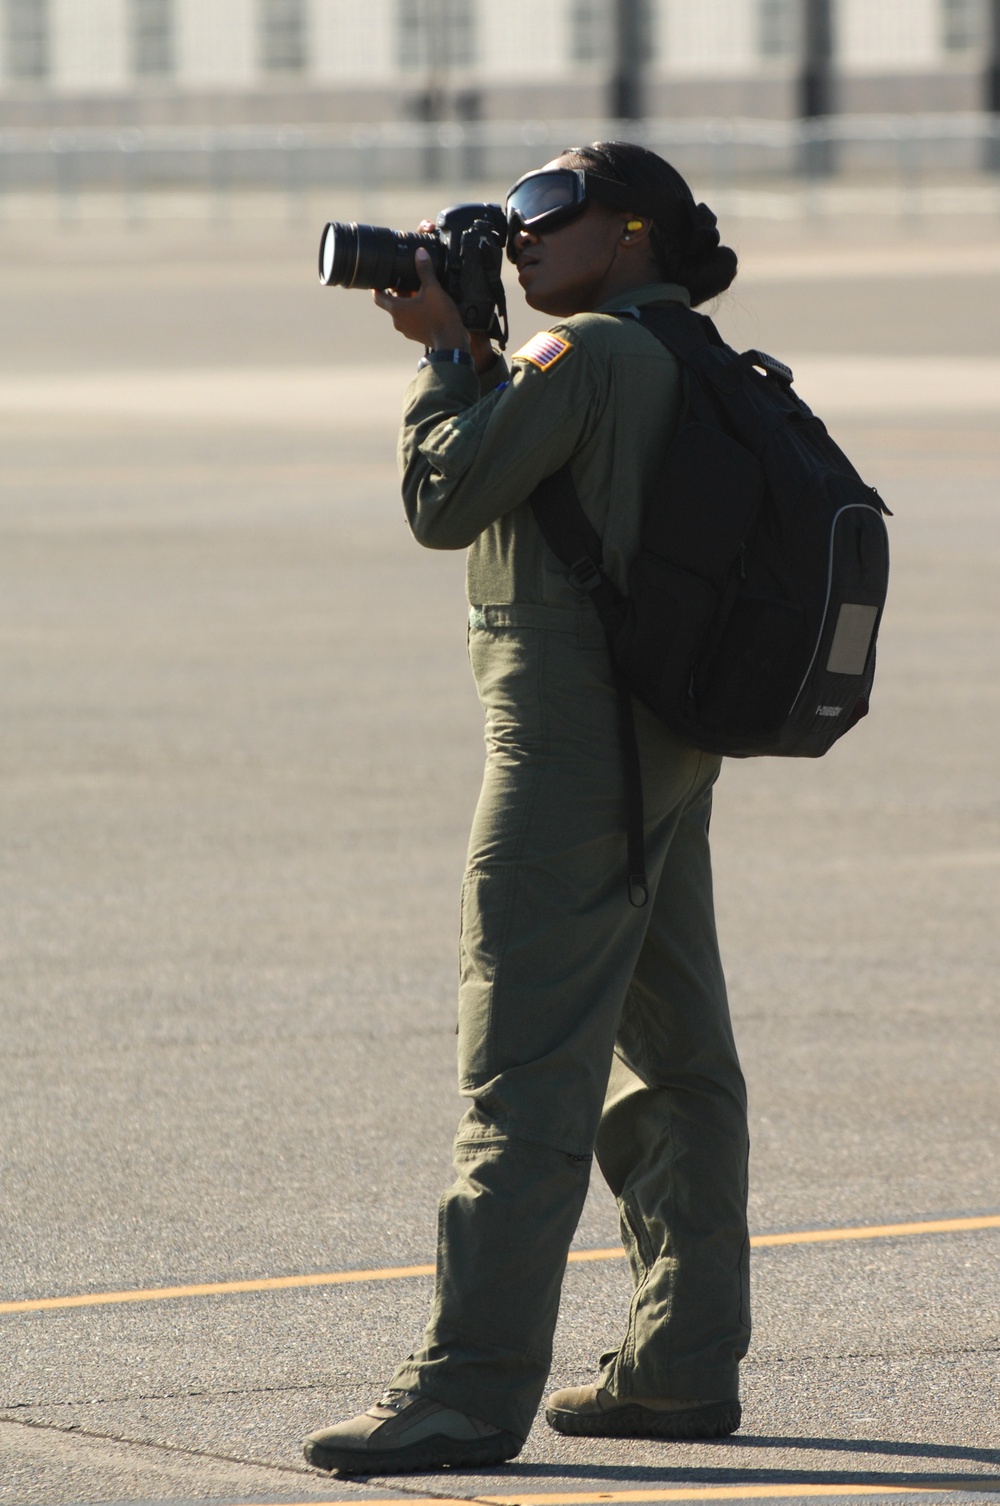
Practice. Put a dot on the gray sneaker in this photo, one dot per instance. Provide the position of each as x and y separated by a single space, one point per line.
404 1432
592 1412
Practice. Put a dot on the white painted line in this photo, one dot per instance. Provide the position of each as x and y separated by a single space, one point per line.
370 397
911 386
312 397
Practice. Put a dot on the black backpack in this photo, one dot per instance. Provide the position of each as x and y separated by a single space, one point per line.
755 597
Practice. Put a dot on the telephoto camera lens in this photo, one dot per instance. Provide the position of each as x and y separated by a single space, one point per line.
372 256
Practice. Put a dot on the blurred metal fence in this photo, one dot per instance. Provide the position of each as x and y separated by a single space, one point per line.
901 149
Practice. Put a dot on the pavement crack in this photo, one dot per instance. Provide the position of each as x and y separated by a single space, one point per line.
183 1395
992 1346
752 1362
392 1481
75 1431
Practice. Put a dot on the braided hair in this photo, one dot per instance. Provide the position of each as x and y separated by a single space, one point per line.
684 238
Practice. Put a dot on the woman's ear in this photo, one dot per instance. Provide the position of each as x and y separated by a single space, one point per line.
636 230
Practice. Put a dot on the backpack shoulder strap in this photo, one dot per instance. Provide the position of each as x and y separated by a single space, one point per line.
680 329
565 526
575 542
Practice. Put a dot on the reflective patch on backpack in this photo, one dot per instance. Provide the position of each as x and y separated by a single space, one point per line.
543 350
852 639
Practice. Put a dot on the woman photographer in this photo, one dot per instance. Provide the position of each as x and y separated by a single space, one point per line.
586 1025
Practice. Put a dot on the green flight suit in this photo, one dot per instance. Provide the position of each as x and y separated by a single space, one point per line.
584 1024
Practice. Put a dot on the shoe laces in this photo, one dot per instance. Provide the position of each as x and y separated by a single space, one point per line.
395 1400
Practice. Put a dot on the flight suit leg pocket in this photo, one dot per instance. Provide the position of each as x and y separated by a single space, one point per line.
485 913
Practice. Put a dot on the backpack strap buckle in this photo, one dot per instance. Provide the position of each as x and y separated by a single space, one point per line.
584 574
769 365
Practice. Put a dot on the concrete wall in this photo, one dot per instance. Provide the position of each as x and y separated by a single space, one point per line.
351 41
216 42
714 37
876 35
89 44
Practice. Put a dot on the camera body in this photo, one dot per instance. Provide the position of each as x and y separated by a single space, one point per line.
466 250
473 237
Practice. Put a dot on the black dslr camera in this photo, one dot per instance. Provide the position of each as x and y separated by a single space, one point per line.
466 252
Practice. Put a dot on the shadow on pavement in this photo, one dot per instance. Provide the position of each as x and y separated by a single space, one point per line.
735 1474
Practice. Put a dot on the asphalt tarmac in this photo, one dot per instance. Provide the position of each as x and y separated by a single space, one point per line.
239 752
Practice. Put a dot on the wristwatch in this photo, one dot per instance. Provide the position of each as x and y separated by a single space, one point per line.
446 358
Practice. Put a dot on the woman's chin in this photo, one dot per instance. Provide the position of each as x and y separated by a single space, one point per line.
536 298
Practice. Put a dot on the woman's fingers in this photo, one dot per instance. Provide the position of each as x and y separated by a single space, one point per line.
428 316
387 298
425 268
407 312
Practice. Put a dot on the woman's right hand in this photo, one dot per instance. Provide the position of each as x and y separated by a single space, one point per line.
428 316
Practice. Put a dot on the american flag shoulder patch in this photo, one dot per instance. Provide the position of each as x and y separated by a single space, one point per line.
543 350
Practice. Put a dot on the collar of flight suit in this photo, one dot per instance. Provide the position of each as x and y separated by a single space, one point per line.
653 292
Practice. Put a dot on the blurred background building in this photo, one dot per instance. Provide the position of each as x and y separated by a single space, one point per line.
297 94
221 62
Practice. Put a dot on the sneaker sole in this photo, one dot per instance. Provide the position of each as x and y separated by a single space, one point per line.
429 1453
717 1421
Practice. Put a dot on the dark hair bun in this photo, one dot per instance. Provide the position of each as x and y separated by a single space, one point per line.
708 266
684 238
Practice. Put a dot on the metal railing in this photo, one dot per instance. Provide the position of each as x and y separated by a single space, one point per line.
895 149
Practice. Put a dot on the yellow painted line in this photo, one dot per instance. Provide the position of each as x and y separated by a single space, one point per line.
218 1288
678 1493
398 1272
578 1256
878 1231
705 1493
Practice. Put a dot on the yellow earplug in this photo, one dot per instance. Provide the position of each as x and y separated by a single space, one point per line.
634 225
